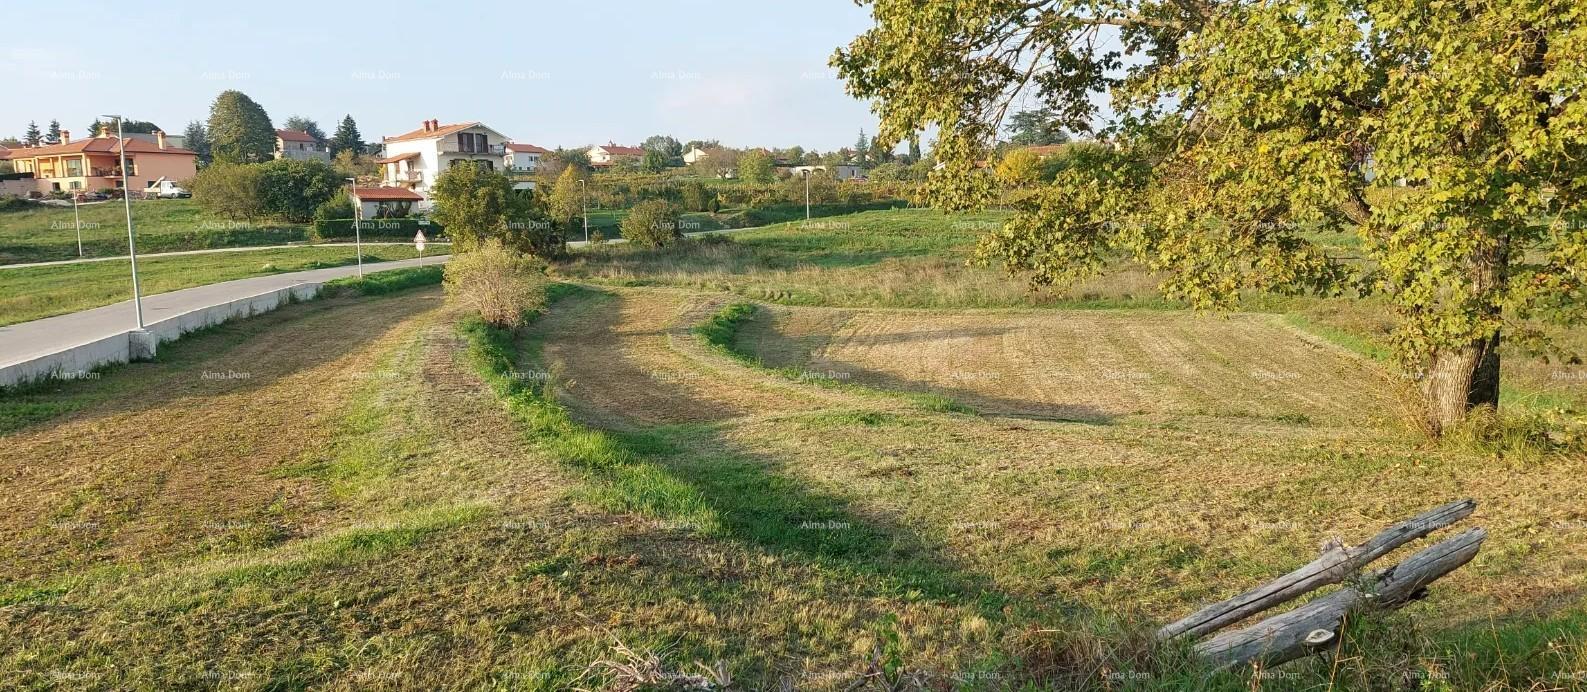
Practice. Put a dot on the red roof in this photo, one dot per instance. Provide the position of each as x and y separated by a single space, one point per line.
4 153
97 145
615 150
375 194
295 136
527 148
439 131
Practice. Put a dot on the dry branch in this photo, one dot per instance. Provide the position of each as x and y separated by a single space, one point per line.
1331 568
1284 637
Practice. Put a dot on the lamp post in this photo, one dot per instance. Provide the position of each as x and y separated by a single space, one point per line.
78 219
807 195
358 233
585 192
132 239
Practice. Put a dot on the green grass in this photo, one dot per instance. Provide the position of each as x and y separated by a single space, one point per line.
32 293
43 233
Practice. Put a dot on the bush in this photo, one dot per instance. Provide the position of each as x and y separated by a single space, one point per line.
338 207
229 190
384 229
14 204
696 197
292 189
652 224
498 284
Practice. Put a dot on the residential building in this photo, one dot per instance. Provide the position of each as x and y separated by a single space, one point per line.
839 172
94 163
414 159
292 144
602 156
523 158
695 154
385 202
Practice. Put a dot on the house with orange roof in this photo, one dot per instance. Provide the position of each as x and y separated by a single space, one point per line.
293 144
94 163
414 159
524 158
609 154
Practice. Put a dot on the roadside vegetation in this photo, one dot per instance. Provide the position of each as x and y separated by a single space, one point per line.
37 232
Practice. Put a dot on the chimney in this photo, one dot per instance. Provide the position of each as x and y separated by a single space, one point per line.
66 136
104 130
424 126
435 125
159 138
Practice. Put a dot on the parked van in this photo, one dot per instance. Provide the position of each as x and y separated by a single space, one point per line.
165 189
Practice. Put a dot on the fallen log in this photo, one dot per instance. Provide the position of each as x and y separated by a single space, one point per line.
1317 624
1332 567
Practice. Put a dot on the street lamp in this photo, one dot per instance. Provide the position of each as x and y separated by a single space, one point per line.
358 234
807 194
132 239
78 219
586 194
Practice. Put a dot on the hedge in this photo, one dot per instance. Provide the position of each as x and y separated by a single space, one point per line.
387 229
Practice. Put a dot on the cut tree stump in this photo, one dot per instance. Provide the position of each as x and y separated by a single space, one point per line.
1316 625
1284 637
1331 568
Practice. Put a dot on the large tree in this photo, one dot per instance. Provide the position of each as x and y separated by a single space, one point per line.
1450 135
566 206
52 135
197 140
127 126
347 137
239 130
755 166
475 205
33 137
1036 127
664 144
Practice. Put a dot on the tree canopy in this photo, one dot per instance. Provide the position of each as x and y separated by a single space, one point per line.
1450 135
476 205
239 130
755 166
1035 127
347 137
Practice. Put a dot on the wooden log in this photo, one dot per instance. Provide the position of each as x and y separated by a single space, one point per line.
1285 637
1331 568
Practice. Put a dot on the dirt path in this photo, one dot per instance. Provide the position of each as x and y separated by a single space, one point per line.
628 357
1083 365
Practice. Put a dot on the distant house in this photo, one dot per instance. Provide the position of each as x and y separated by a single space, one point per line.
414 159
839 172
94 163
292 144
385 202
602 156
523 158
695 154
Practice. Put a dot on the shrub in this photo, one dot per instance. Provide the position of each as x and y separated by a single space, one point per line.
229 190
338 207
497 283
652 224
384 229
14 204
477 205
696 197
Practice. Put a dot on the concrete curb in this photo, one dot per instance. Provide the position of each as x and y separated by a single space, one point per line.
79 361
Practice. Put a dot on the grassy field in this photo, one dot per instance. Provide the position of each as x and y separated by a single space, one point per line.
44 233
773 461
31 293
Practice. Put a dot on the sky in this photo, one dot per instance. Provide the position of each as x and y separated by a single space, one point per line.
577 72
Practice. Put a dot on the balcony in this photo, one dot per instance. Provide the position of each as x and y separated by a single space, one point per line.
489 150
408 177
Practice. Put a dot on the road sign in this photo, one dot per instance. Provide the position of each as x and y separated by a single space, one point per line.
418 241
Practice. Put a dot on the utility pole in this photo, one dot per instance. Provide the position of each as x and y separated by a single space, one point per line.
358 233
132 238
807 195
78 219
586 194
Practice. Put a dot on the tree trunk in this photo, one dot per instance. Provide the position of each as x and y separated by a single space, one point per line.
1460 380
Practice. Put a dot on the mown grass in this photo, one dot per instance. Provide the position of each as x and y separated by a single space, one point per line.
41 233
32 293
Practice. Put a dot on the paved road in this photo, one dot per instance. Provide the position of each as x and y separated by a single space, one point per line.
28 340
153 255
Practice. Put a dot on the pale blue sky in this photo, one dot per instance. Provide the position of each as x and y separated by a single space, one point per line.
747 72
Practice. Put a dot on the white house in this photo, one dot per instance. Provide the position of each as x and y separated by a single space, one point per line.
292 144
523 158
609 153
839 172
383 202
414 159
695 154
